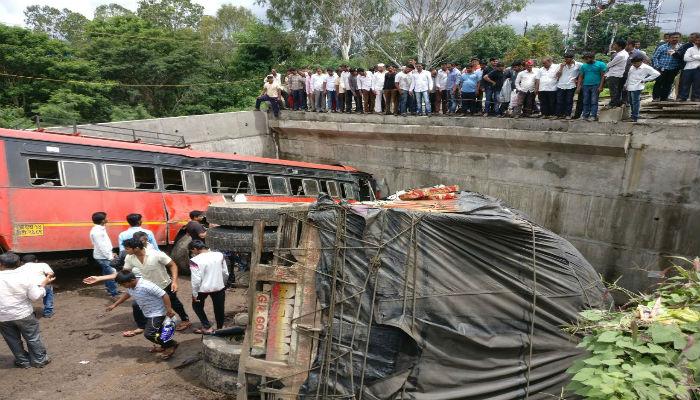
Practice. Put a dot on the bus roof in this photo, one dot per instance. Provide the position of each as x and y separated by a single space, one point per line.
69 138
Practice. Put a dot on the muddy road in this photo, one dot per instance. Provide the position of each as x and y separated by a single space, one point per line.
91 359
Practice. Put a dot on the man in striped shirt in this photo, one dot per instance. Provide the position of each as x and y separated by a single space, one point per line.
155 304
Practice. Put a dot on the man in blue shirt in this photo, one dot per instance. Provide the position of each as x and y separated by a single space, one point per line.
664 62
591 79
452 87
135 221
470 87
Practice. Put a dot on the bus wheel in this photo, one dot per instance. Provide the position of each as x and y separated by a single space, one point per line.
181 254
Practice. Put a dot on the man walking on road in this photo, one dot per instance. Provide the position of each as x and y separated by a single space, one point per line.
209 276
102 250
17 291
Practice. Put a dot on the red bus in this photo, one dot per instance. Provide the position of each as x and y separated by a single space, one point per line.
51 183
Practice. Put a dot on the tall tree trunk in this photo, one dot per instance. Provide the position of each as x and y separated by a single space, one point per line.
345 44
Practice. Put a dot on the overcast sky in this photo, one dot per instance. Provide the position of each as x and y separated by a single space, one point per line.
539 11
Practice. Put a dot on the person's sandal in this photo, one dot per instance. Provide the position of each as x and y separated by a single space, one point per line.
156 349
168 353
183 325
132 333
202 331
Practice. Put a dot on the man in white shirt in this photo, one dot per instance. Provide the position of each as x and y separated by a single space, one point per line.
616 72
638 74
364 83
347 96
421 86
567 75
318 83
378 87
209 276
39 271
102 250
441 90
525 87
330 92
690 79
404 82
546 88
17 291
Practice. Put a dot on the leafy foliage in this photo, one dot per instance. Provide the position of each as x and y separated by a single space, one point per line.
595 30
650 349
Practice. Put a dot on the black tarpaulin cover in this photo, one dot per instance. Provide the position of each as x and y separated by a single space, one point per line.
450 299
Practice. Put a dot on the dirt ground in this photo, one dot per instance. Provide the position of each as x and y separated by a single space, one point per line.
91 360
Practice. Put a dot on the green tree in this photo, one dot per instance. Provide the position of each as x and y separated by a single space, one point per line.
14 118
171 14
525 49
111 10
59 24
343 25
596 29
132 51
550 34
24 54
490 41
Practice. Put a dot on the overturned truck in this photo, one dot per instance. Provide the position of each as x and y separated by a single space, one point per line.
448 299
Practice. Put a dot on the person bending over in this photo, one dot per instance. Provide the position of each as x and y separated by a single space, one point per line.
155 304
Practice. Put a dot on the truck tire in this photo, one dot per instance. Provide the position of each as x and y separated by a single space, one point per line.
244 214
180 253
238 239
221 352
219 380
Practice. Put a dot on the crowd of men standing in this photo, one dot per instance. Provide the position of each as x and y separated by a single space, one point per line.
530 88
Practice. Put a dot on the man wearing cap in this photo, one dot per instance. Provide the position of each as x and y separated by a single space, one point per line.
590 83
378 87
271 92
567 75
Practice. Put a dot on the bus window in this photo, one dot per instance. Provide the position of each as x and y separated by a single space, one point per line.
311 187
119 176
324 187
333 189
348 191
262 185
172 180
195 181
278 185
224 182
44 173
79 173
366 192
145 178
297 187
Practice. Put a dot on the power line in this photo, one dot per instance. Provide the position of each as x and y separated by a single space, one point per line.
85 83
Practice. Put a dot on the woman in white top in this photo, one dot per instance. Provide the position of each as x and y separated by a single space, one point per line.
209 276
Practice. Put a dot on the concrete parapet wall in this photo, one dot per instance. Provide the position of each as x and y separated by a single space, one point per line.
235 132
626 195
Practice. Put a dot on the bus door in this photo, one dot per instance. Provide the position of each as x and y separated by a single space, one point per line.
133 189
184 191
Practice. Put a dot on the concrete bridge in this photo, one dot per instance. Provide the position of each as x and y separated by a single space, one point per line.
626 195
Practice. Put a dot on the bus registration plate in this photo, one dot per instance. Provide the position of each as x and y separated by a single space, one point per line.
23 230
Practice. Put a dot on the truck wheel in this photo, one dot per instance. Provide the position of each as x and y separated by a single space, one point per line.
244 214
180 253
221 352
238 239
219 380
